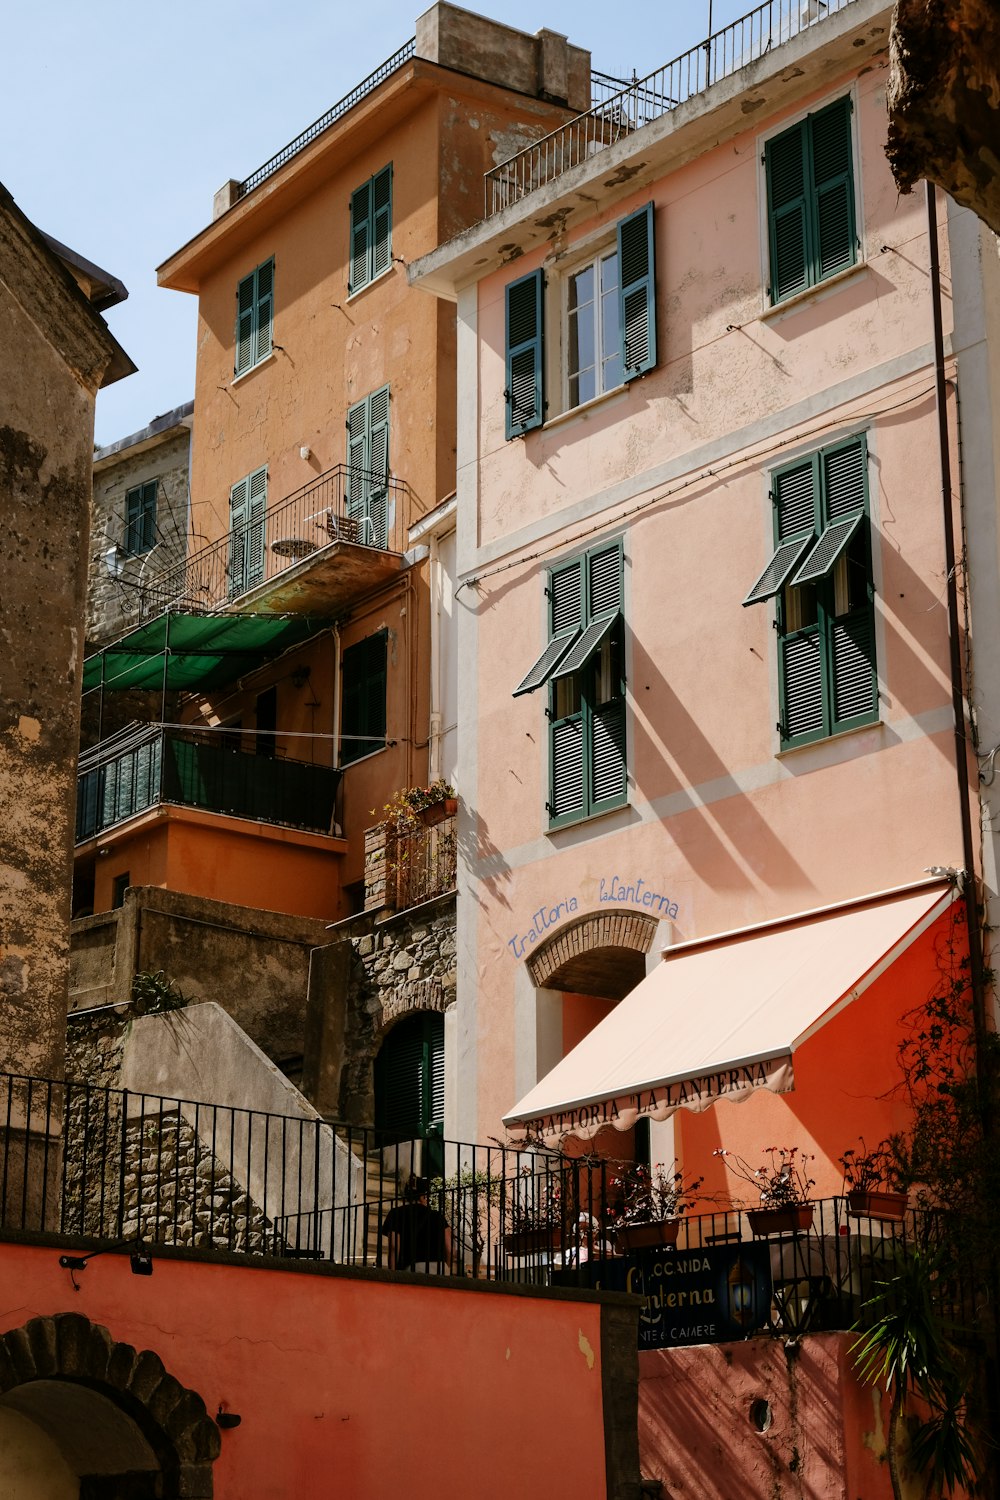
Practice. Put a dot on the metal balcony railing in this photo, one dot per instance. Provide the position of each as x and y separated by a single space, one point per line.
149 766
421 864
346 504
617 114
116 1166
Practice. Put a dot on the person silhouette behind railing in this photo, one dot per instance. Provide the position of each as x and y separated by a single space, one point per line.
417 1236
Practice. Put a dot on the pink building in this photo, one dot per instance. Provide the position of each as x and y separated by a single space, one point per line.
705 685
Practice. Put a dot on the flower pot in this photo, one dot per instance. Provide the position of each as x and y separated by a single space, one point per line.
647 1236
877 1203
790 1218
436 812
531 1241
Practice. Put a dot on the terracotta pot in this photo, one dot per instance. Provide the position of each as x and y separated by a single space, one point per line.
877 1203
531 1241
648 1236
792 1217
436 812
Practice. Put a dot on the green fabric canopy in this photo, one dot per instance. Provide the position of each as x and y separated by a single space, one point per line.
200 651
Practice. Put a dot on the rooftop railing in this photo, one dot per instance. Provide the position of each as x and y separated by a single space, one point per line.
114 1166
615 115
346 504
145 767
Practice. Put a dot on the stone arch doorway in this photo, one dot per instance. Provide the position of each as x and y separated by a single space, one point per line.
81 1409
570 983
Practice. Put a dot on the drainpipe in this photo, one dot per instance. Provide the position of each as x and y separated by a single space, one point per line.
973 920
434 727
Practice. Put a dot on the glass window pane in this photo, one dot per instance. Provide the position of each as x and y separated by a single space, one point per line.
566 696
581 288
800 607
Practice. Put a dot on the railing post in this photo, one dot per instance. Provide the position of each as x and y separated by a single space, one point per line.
122 1168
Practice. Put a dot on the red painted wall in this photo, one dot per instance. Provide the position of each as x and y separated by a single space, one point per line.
354 1387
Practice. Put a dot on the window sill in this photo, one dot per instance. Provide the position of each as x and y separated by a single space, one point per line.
585 818
267 360
815 293
353 296
585 407
830 739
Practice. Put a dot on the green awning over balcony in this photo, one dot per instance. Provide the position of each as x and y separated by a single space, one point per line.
181 651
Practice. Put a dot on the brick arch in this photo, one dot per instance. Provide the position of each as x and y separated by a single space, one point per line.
599 954
69 1348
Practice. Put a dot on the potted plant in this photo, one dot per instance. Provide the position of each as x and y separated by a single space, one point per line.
432 804
871 1182
651 1204
783 1185
533 1214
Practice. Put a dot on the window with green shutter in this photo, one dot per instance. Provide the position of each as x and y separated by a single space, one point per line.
140 518
607 304
363 692
409 1078
820 573
368 468
371 230
810 201
254 317
583 667
247 512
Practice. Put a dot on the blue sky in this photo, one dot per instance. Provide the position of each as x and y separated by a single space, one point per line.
121 120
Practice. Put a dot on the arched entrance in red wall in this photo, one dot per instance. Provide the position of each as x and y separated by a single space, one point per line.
103 1415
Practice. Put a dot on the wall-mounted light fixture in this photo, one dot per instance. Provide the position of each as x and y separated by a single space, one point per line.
140 1260
225 1419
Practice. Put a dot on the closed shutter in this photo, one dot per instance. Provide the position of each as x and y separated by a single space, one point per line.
245 303
360 271
608 754
256 509
140 518
435 1050
265 310
399 1080
378 466
794 495
844 475
801 665
833 185
604 582
525 391
787 212
637 292
855 689
566 599
381 221
566 761
357 459
238 516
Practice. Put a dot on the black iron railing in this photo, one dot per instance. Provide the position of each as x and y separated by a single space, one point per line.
149 766
421 864
344 505
615 115
114 1165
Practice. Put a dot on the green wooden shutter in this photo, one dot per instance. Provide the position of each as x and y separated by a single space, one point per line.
140 518
833 186
149 494
378 467
255 540
800 660
399 1080
264 307
525 391
794 497
604 582
434 1032
361 238
637 293
788 211
844 479
607 755
238 516
357 459
566 762
855 686
381 210
245 307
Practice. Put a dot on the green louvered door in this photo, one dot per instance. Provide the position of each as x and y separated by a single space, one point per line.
409 1084
368 468
525 388
247 523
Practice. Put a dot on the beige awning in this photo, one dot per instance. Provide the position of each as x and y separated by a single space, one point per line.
720 1018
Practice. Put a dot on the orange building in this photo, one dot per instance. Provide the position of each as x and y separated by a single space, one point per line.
304 628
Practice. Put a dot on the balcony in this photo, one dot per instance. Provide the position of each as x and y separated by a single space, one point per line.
315 553
141 769
406 868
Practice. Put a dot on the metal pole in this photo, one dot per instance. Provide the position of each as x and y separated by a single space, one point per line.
708 48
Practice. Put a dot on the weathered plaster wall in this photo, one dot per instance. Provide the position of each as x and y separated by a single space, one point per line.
46 437
254 963
943 96
327 1369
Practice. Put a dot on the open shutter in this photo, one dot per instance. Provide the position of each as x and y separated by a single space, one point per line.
361 238
256 508
381 188
434 1025
787 212
265 310
637 293
833 185
357 459
245 303
525 392
375 531
238 516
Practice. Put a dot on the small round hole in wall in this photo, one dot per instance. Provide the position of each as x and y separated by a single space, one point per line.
760 1414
